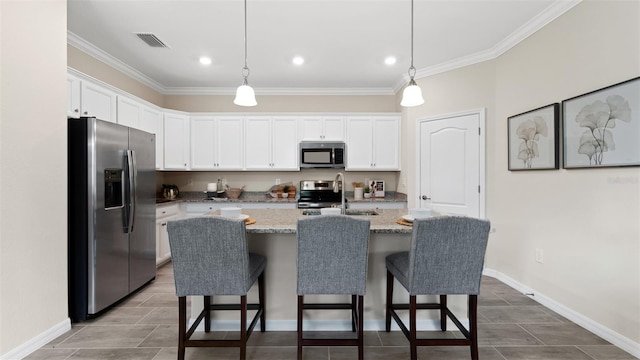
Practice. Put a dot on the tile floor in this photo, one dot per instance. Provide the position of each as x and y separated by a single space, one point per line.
511 327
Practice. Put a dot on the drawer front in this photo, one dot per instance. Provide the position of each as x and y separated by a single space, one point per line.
167 210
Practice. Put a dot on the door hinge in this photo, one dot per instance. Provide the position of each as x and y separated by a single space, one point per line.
479 131
478 189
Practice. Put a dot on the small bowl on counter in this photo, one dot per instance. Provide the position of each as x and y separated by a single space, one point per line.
234 193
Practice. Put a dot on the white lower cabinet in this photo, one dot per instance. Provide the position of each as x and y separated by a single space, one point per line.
163 215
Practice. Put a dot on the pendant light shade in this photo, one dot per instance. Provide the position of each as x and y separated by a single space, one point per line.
245 96
412 94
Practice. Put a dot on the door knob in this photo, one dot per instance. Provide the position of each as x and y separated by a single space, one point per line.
425 197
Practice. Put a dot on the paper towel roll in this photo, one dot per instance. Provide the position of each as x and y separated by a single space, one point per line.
212 187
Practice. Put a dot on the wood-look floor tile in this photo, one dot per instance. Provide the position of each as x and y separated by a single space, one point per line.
517 315
563 334
370 352
50 354
456 353
543 353
121 354
108 336
606 352
504 334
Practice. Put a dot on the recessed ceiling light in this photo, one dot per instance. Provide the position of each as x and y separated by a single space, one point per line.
390 60
298 60
205 60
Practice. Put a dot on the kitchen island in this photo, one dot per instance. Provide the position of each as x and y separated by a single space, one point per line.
274 236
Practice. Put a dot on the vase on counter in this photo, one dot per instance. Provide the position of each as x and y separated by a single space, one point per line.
358 193
367 195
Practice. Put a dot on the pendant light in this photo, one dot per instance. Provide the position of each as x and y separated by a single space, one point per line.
245 96
412 95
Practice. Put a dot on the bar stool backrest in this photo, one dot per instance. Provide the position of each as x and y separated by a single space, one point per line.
209 256
447 255
332 255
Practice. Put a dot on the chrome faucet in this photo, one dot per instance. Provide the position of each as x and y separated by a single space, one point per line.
336 189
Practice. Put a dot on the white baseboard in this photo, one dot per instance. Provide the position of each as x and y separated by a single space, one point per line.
604 332
39 341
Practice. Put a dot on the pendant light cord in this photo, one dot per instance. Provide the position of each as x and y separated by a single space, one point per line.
412 70
245 69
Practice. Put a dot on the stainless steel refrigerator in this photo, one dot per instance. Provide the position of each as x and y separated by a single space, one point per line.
111 190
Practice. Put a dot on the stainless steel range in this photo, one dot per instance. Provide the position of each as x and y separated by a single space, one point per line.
315 194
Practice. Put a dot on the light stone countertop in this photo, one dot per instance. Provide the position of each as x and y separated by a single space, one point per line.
283 221
257 196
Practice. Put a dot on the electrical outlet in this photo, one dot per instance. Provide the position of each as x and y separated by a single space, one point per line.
539 255
277 181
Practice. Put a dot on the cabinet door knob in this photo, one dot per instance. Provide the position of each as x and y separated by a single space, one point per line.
76 111
86 113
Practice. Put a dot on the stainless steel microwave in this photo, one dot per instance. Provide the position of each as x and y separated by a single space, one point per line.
322 154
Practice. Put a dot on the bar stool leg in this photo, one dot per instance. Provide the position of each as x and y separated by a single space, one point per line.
443 312
412 329
389 301
473 325
182 325
300 306
261 300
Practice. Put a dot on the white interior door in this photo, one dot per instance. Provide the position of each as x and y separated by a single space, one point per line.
451 163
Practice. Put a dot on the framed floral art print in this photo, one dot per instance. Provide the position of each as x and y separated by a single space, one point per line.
534 139
602 128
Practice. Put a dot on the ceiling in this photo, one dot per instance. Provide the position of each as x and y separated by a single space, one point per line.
344 42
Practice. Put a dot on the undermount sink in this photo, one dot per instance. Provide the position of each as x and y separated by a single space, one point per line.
349 212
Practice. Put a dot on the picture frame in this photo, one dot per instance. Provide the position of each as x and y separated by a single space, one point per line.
377 188
533 139
602 128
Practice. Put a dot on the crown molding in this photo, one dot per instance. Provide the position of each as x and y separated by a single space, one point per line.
99 54
552 12
549 14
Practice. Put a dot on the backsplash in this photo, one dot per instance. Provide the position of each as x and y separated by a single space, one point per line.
263 180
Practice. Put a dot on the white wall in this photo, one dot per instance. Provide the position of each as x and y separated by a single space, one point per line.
33 186
586 221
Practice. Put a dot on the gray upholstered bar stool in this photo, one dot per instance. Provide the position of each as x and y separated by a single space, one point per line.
332 260
446 258
210 257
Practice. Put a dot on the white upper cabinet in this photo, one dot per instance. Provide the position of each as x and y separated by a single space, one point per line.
73 96
271 143
151 121
85 98
176 141
216 143
129 112
97 101
322 128
373 143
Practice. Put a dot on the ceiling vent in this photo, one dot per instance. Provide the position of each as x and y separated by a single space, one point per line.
151 40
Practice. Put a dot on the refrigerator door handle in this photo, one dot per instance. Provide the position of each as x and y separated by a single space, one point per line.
131 189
